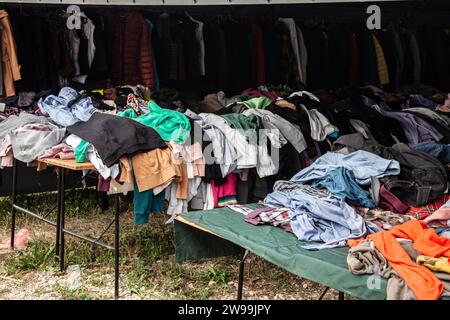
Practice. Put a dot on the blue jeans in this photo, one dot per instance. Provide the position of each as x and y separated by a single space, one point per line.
326 221
417 100
341 182
62 112
435 149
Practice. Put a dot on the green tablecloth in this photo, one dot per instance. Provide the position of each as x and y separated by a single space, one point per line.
327 267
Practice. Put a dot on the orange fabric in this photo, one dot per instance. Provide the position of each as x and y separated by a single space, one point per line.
425 239
126 174
354 242
418 278
11 68
153 168
182 185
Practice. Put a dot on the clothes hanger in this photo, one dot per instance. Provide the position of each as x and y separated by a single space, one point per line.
23 13
190 17
231 19
322 24
218 19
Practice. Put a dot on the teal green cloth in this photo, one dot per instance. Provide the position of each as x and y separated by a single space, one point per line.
171 125
258 103
145 203
248 125
327 267
81 151
239 121
129 113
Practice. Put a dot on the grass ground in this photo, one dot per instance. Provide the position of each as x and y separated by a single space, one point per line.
147 263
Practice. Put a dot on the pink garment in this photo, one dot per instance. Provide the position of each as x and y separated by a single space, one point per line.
225 190
195 155
34 126
7 161
192 156
62 151
5 146
6 153
446 106
66 155
440 217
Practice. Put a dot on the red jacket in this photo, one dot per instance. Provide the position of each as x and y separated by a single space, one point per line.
132 49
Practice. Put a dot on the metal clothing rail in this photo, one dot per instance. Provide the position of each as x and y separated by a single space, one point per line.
190 2
60 218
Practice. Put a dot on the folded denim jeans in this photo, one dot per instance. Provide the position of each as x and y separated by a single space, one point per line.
63 110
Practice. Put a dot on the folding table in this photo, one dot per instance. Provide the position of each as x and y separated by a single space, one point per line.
223 232
61 167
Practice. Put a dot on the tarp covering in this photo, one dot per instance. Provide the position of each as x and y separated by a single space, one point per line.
327 267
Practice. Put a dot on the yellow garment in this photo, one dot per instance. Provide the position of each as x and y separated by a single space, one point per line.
99 91
435 264
383 73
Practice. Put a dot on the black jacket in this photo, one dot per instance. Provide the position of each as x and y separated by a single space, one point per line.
115 136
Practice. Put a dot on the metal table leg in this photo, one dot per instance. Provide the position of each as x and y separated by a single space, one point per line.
241 274
324 293
13 202
62 199
116 246
58 213
341 296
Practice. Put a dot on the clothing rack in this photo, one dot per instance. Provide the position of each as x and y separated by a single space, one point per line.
188 2
427 12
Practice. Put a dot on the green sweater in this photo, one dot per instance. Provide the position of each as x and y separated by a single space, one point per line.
171 125
258 103
81 151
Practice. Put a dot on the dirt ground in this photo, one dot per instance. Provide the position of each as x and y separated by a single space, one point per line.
147 263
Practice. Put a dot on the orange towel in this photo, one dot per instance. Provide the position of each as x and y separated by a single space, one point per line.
418 278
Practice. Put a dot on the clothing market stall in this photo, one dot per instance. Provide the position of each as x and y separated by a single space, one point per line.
293 116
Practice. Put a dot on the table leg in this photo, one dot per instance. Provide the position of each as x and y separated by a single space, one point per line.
13 202
116 246
58 212
341 296
241 273
324 293
62 198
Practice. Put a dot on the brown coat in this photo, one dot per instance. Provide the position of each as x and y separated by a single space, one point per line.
155 168
10 63
132 49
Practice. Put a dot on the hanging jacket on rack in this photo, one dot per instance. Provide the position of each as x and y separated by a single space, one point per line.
132 50
10 64
102 62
